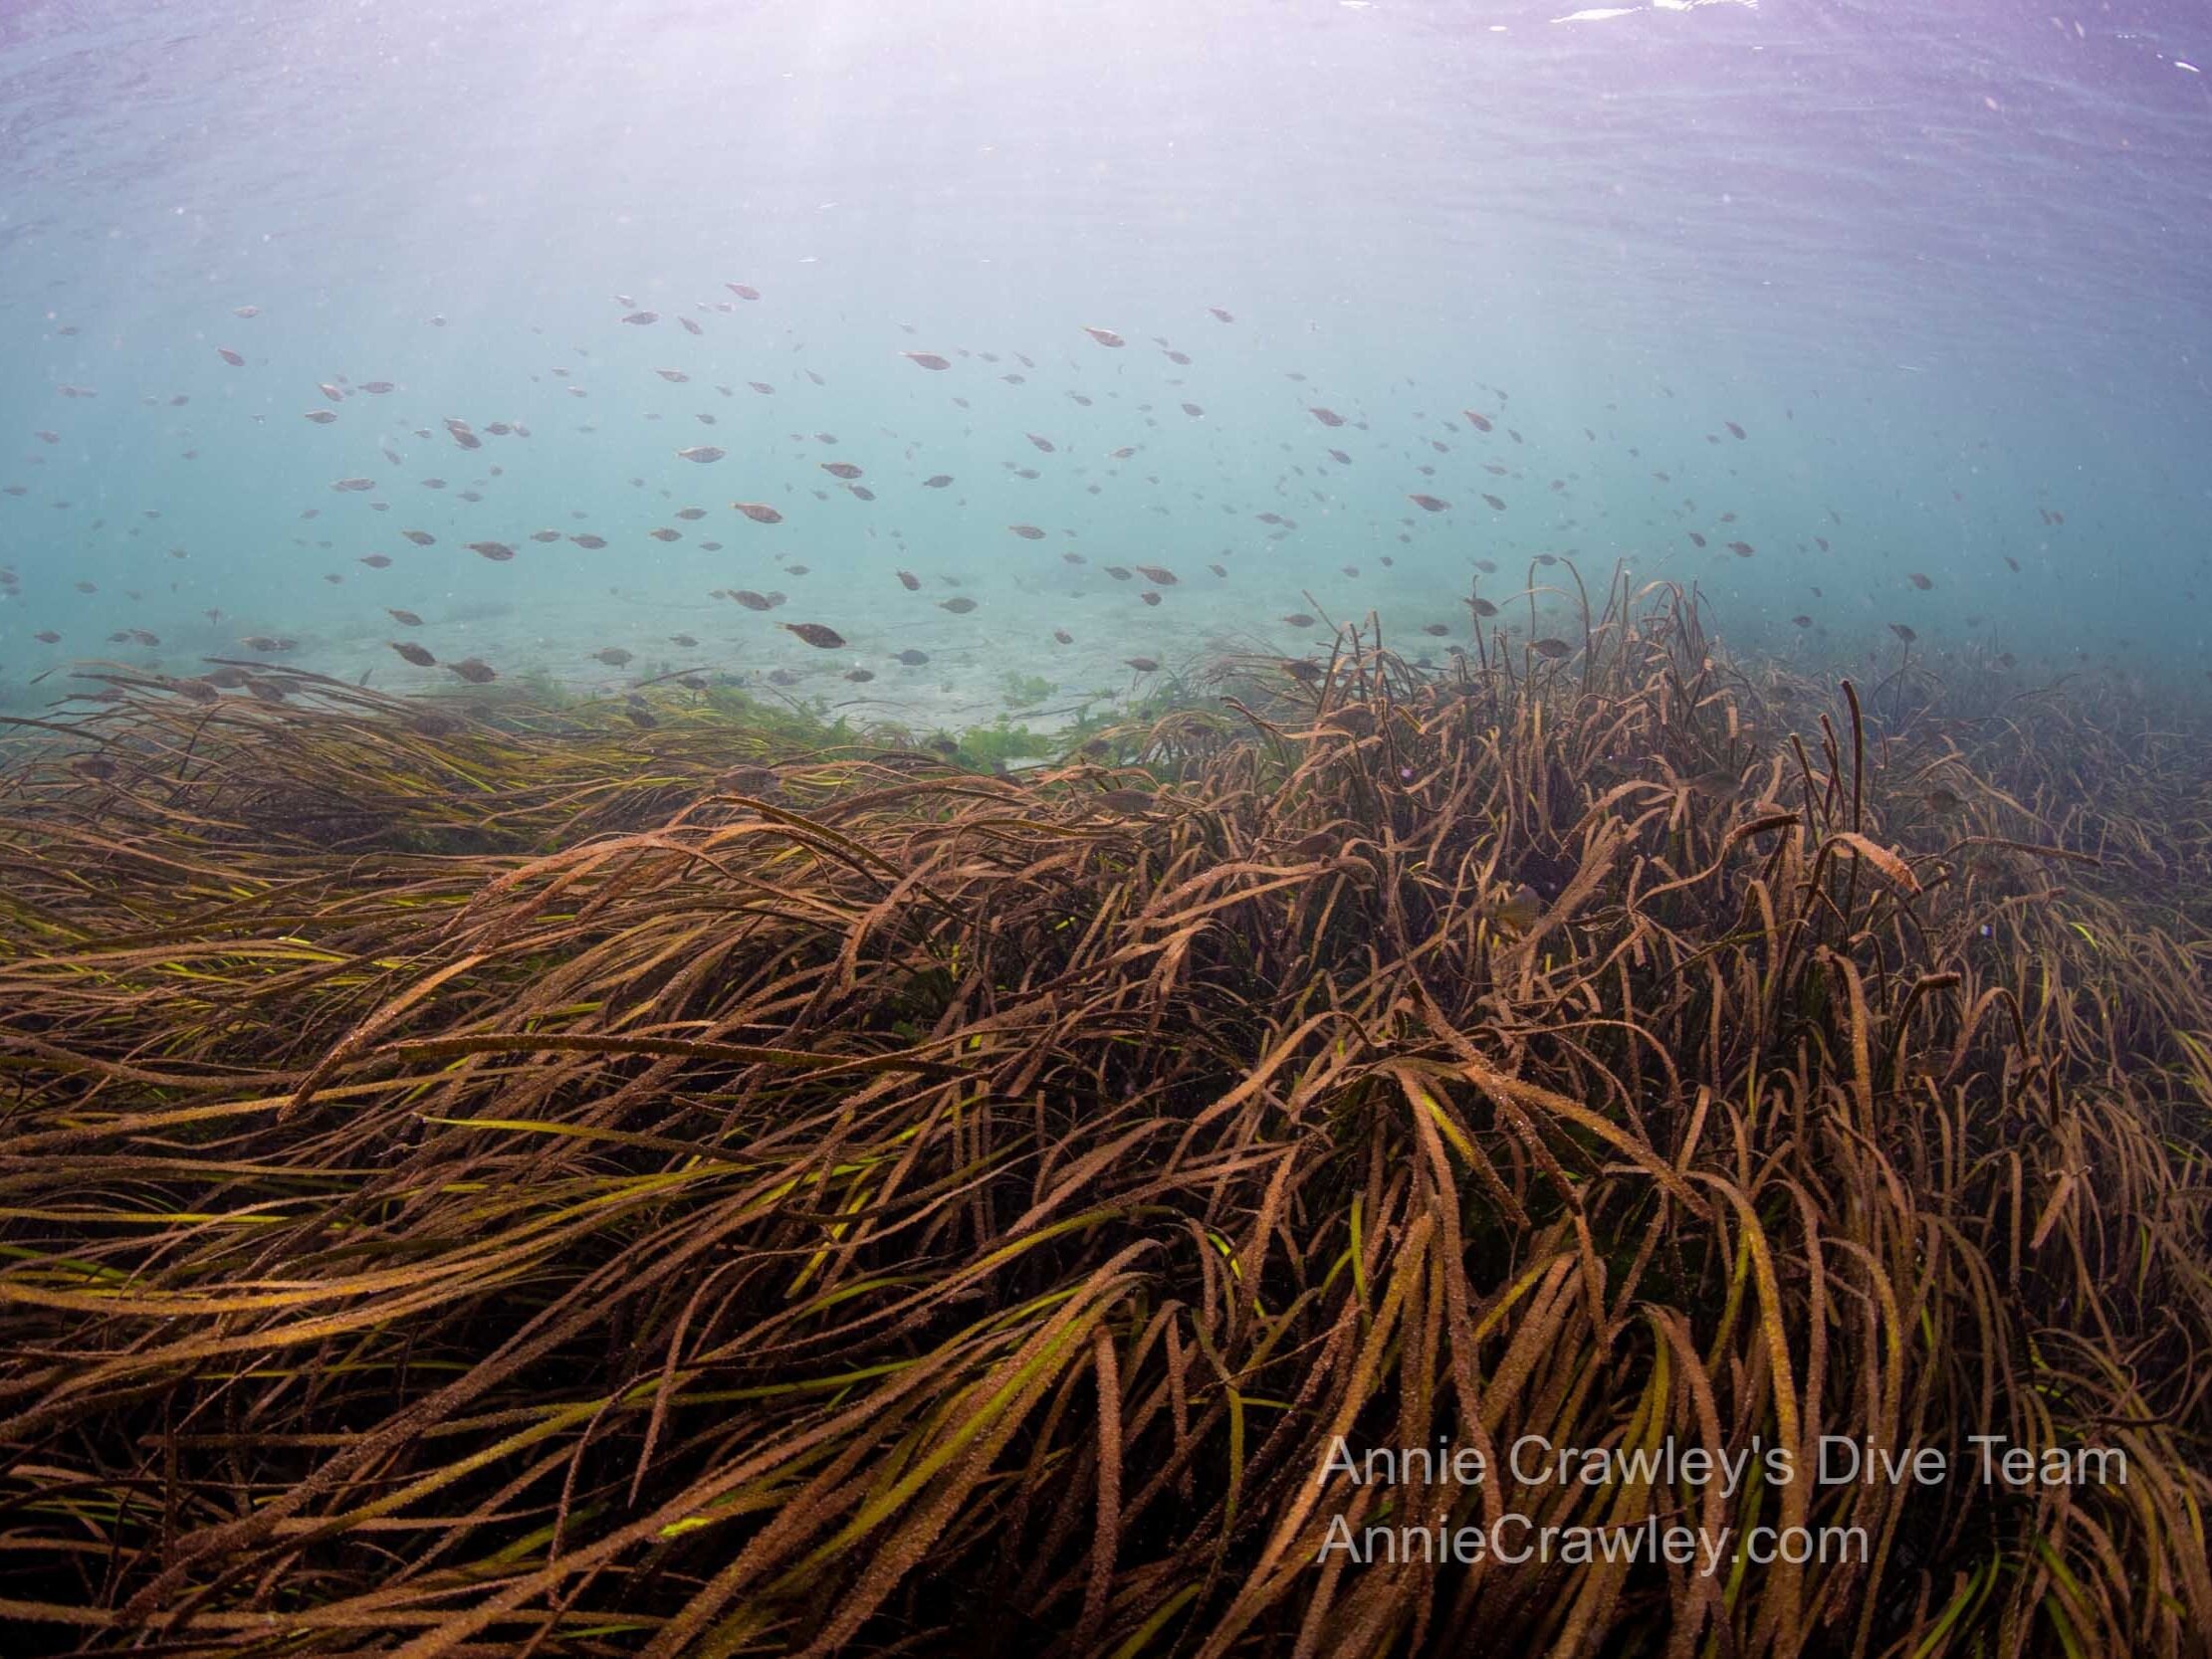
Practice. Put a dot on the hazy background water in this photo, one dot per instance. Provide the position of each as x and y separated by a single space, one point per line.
1943 263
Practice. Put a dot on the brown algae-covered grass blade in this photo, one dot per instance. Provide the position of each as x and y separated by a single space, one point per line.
365 1034
1885 860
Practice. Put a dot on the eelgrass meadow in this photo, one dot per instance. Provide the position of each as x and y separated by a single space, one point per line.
483 1175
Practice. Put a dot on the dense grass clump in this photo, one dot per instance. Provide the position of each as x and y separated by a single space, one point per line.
487 1177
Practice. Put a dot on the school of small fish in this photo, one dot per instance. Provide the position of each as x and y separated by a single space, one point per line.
1081 464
